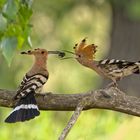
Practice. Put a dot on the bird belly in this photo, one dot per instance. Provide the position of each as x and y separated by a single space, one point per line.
114 74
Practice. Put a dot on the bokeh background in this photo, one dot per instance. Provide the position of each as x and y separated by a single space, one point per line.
114 26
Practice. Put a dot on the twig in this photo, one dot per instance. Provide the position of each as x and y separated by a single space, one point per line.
71 122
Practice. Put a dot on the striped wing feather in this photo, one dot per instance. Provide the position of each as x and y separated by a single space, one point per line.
30 83
118 68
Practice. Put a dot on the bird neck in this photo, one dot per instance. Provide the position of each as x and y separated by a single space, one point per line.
40 62
39 66
92 64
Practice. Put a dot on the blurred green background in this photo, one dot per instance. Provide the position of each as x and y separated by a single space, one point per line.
58 25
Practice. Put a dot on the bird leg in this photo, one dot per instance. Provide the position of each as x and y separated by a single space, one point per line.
112 84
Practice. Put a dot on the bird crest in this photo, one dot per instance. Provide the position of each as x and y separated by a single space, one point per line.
87 51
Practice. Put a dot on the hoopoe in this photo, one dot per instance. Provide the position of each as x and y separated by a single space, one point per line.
33 81
112 69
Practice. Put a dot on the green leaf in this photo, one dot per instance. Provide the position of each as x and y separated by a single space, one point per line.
10 9
3 23
8 46
13 30
27 31
27 3
20 42
26 35
29 42
24 14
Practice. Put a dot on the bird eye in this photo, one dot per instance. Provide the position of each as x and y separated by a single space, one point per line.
79 55
29 51
42 52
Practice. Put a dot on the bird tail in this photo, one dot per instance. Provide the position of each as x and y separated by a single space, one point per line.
25 109
137 69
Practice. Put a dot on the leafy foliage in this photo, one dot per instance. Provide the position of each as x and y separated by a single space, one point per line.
15 28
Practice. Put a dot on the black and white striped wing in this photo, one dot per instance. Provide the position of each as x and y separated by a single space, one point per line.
30 83
24 80
118 67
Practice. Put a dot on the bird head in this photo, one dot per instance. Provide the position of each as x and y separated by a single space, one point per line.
38 51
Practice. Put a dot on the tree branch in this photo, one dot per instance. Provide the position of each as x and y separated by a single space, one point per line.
109 98
72 121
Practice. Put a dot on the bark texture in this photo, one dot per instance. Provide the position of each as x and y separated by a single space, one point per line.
110 98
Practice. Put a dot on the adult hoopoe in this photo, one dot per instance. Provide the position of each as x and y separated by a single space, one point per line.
112 69
33 81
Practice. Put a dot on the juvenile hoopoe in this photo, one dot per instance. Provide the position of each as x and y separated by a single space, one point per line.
112 69
33 81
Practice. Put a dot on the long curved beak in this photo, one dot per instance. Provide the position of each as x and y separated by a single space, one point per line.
61 54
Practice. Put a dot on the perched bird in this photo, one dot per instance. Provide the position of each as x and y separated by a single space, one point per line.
112 69
33 81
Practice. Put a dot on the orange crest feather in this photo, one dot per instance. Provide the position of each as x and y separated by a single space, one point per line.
87 51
